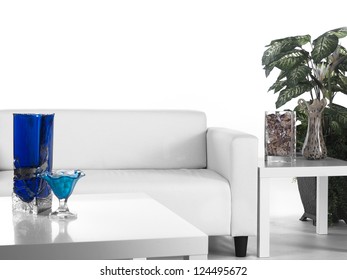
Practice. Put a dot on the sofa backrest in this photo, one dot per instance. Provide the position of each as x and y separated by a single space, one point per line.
118 139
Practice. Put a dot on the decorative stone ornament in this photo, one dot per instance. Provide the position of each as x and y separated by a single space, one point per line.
280 136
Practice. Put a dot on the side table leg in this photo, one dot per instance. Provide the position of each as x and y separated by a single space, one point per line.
263 237
322 205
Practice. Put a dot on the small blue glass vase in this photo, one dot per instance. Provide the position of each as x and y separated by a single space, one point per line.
62 183
32 154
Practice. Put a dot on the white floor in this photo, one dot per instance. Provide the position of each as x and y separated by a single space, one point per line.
291 239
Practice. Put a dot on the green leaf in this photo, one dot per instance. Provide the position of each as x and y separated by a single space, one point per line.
303 39
338 83
339 113
336 127
297 75
273 53
290 60
342 50
343 66
343 81
341 62
336 89
297 40
301 114
339 32
277 86
289 93
281 76
268 69
278 48
324 46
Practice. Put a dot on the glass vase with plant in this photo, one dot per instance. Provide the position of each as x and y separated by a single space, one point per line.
315 70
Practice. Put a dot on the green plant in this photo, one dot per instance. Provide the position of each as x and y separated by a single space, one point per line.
321 71
318 68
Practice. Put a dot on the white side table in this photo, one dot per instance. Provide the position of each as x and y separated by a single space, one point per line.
321 169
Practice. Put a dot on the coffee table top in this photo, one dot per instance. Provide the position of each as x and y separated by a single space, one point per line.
128 220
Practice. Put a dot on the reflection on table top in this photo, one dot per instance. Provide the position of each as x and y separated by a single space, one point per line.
101 217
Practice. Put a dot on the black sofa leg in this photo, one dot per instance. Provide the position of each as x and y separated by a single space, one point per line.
240 245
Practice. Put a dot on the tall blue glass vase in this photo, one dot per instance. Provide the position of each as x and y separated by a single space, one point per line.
33 154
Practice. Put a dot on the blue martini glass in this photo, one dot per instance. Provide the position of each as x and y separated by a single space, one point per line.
62 183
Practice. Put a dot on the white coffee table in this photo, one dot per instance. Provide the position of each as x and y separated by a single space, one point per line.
109 226
321 169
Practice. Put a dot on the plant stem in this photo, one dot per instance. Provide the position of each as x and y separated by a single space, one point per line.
329 87
311 65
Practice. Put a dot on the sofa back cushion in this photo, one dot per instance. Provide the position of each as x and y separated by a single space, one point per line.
118 139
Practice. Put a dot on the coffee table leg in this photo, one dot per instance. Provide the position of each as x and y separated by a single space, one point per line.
263 237
196 257
322 205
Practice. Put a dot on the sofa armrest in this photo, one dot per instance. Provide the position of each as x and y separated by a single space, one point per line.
234 155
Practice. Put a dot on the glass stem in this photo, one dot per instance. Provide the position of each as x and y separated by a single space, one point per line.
62 204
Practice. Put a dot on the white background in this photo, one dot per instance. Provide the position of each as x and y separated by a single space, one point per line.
151 54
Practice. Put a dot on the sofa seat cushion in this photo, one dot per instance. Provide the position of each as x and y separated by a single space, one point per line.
201 196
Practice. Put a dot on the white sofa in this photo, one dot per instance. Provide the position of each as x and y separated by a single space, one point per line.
208 176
